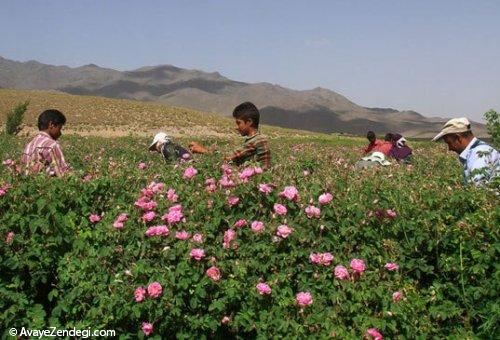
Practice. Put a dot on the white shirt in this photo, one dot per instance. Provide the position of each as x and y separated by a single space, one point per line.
481 162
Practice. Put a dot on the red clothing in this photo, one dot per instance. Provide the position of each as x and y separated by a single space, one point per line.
378 145
385 148
44 153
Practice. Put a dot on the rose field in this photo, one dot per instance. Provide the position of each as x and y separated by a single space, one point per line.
311 248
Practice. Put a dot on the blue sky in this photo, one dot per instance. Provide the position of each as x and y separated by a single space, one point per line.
440 58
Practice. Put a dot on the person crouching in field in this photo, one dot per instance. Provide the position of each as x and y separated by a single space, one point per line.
170 151
400 151
481 162
377 145
255 147
43 153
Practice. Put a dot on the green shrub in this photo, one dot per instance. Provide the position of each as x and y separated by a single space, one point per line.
60 269
15 118
493 125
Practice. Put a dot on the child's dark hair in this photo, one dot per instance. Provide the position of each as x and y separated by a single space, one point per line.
247 111
370 136
52 115
388 137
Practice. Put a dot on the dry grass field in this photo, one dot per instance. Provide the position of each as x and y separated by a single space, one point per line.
97 116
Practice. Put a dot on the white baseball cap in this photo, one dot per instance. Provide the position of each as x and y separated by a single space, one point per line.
159 137
455 125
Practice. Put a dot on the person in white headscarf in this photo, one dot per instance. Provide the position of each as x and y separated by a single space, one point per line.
400 151
170 151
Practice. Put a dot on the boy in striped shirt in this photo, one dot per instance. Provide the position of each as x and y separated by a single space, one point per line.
255 147
43 153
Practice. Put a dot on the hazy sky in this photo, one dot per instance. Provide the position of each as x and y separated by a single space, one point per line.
440 58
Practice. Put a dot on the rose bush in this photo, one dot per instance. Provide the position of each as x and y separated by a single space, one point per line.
196 266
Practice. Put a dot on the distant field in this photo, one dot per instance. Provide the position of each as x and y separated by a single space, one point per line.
116 117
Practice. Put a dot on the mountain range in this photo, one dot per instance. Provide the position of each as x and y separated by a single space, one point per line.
319 109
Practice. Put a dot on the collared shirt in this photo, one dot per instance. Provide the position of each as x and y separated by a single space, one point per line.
255 148
481 162
44 154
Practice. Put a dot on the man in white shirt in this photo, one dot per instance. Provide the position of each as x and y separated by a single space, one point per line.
481 161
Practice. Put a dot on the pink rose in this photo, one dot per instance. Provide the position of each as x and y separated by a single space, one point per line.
396 296
142 166
147 192
391 266
157 231
313 212
173 216
147 328
226 182
214 273
373 333
284 231
198 238
94 218
315 258
257 226
225 320
117 225
390 213
2 192
155 289
122 218
141 202
149 216
156 187
182 235
341 272
10 237
172 196
304 299
290 193
233 200
246 174
139 294
197 254
358 265
226 168
210 185
263 288
229 235
8 162
240 223
326 259
189 173
280 209
325 198
177 207
265 188
148 206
